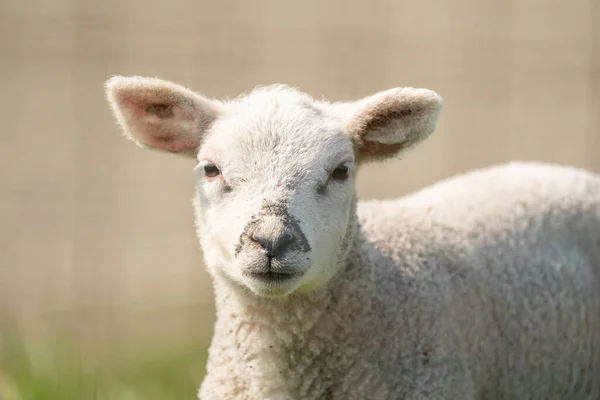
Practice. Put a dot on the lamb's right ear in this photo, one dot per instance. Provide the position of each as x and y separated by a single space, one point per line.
160 114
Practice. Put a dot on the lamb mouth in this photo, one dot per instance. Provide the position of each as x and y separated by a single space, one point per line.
272 276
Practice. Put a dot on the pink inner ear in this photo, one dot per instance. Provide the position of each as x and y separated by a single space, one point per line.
167 124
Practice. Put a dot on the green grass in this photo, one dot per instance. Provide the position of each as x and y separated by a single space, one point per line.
58 369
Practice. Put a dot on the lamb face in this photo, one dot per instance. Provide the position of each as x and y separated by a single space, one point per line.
275 169
275 185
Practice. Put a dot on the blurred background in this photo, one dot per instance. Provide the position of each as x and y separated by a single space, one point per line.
103 294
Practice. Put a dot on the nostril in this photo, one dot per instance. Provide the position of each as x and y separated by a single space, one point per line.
262 240
281 243
283 240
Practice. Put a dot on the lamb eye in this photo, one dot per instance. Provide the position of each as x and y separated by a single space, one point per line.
340 173
211 171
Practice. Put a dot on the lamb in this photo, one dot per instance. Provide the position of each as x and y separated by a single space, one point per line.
482 286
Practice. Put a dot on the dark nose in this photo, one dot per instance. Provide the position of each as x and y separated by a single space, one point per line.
274 245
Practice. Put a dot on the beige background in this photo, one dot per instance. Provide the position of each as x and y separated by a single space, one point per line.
97 235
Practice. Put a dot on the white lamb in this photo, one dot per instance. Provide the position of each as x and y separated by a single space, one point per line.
484 286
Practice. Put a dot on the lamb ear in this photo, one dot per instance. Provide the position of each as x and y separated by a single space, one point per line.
390 122
160 114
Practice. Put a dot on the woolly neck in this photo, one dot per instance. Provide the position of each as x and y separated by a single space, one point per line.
274 347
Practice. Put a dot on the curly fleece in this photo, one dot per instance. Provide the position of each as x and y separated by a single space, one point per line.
483 286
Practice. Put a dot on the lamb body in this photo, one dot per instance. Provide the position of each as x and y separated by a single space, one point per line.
484 286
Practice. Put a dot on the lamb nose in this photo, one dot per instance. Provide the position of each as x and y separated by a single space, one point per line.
274 245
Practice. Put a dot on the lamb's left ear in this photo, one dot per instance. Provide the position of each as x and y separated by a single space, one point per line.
160 114
390 122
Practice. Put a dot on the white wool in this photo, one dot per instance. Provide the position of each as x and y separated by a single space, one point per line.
483 286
